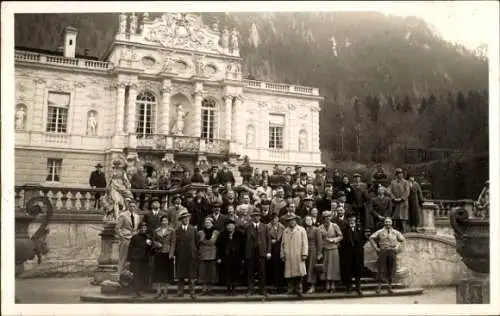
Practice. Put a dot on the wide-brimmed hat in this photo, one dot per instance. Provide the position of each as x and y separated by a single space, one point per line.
398 170
183 213
216 204
98 166
176 196
308 198
356 175
255 212
229 221
297 167
340 193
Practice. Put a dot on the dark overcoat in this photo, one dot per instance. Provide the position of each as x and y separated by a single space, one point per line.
185 252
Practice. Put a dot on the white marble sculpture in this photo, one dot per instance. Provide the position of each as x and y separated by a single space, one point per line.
92 124
302 141
20 116
234 40
123 23
178 129
250 136
225 39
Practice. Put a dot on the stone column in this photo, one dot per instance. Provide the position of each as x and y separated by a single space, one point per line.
107 268
228 126
119 114
166 89
131 115
239 132
428 223
293 129
198 97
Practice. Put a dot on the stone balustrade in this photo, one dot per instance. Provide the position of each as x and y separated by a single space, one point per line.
445 206
30 57
281 87
61 140
82 200
182 143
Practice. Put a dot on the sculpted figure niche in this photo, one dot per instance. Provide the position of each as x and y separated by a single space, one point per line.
92 123
302 140
20 117
178 129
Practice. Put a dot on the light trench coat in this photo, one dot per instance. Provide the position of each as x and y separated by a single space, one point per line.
294 245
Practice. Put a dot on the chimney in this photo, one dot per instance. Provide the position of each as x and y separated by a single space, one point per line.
70 34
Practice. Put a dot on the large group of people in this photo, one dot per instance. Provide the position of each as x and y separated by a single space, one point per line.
305 234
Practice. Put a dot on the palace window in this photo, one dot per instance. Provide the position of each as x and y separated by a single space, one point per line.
276 131
146 114
54 167
57 114
208 119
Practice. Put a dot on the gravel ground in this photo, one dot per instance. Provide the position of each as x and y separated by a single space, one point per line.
68 290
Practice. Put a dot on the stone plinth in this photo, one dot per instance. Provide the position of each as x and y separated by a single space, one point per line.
474 288
428 214
107 268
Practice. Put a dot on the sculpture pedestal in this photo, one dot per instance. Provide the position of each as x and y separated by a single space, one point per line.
428 212
107 267
474 288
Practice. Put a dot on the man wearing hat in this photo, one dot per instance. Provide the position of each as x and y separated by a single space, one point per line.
291 209
257 251
399 190
229 199
174 211
139 255
360 200
380 207
218 218
351 252
306 207
97 180
225 175
320 181
278 202
197 177
294 250
185 253
296 175
342 202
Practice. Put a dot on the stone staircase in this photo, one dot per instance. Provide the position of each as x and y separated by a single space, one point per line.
100 294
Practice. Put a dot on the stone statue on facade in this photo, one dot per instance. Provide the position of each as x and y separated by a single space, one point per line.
133 24
20 116
234 40
302 141
215 25
123 23
178 129
225 39
92 124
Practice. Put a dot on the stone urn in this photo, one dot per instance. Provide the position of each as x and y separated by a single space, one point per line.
473 245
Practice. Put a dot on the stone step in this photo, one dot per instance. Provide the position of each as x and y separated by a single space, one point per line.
243 289
93 295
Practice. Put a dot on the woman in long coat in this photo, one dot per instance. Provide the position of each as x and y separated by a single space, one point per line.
163 271
331 236
294 250
207 239
139 253
230 254
315 242
415 201
275 267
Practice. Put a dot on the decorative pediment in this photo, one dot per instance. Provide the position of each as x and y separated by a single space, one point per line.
185 31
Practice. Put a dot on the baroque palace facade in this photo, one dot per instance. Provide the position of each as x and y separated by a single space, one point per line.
169 87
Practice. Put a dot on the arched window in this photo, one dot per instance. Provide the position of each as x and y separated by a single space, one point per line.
146 114
208 119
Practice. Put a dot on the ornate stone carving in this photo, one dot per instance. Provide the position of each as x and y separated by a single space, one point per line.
262 104
180 30
79 84
20 117
133 24
303 116
234 42
302 141
199 65
148 61
93 94
292 107
167 62
166 89
178 129
39 80
122 23
60 86
250 142
92 123
21 86
225 39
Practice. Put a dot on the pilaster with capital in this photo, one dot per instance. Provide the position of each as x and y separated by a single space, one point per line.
315 129
198 97
228 111
263 128
238 133
293 128
166 90
120 108
131 114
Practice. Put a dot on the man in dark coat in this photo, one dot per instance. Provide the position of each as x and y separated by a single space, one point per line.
219 219
230 255
197 177
97 181
360 200
380 208
265 210
336 180
199 209
351 254
325 202
306 207
185 254
257 251
213 178
138 181
342 202
152 217
296 175
228 199
347 189
225 175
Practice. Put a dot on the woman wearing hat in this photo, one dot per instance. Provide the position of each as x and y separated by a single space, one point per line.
139 253
331 236
275 267
207 239
185 253
164 243
230 254
294 250
315 253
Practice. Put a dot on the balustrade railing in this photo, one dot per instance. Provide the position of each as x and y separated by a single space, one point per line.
445 206
82 200
281 87
183 143
25 56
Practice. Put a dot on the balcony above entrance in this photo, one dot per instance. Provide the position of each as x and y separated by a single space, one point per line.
181 144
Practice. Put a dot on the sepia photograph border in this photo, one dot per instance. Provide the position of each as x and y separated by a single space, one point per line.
296 308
